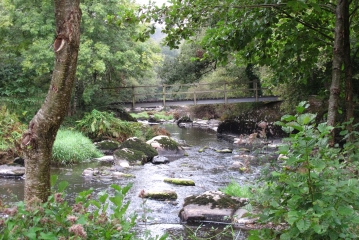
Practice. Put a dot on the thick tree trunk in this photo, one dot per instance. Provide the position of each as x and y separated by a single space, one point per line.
337 64
38 140
348 69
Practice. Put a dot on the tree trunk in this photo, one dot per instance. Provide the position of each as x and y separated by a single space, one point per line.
348 69
38 140
337 64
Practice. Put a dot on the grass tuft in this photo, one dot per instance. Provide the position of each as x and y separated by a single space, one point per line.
73 147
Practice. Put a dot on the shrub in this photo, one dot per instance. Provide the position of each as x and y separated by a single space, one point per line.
315 191
11 129
57 219
71 146
103 125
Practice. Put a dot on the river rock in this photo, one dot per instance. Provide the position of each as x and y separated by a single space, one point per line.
225 150
180 181
166 146
11 171
139 145
130 156
210 206
106 158
107 147
159 195
160 160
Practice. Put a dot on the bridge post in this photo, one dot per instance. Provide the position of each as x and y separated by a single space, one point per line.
225 93
133 97
194 94
256 89
164 95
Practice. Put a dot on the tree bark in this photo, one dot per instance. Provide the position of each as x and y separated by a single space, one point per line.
38 139
348 69
337 64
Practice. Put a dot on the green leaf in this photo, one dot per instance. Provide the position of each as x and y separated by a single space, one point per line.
305 119
103 197
117 200
53 180
344 210
288 118
318 228
48 236
303 225
292 217
62 186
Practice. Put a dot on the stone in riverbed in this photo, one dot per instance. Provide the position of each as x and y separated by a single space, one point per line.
159 195
11 171
210 206
166 146
180 181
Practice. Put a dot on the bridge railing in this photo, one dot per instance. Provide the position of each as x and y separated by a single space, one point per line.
193 91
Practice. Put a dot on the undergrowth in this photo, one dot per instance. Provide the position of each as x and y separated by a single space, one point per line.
314 191
11 129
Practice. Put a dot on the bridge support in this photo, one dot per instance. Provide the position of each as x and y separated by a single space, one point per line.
164 95
133 97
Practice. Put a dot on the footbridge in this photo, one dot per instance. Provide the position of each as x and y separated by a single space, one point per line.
189 94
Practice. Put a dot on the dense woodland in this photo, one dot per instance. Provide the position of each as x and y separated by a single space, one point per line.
57 56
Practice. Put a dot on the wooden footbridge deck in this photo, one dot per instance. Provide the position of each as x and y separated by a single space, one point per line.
190 94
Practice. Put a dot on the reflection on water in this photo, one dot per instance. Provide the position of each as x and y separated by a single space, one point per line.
209 170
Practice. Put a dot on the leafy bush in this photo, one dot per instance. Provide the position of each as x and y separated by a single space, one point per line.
57 219
71 146
315 191
103 125
10 129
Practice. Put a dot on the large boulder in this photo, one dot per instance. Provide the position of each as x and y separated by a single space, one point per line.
166 146
135 151
107 147
210 206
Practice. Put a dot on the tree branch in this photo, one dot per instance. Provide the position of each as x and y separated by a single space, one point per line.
307 25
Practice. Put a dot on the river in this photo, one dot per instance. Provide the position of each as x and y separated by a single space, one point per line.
209 170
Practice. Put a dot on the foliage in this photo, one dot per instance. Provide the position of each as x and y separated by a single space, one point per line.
236 190
141 115
154 131
10 129
109 56
88 218
315 189
101 125
73 147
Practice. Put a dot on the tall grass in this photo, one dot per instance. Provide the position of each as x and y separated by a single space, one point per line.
73 147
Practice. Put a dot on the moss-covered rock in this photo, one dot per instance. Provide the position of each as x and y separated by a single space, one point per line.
133 157
179 181
161 195
107 147
166 146
139 145
210 206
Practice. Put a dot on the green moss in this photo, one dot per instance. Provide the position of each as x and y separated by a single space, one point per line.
168 143
164 195
107 145
131 155
178 181
224 201
139 145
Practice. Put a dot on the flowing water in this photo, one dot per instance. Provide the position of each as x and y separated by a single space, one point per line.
209 170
